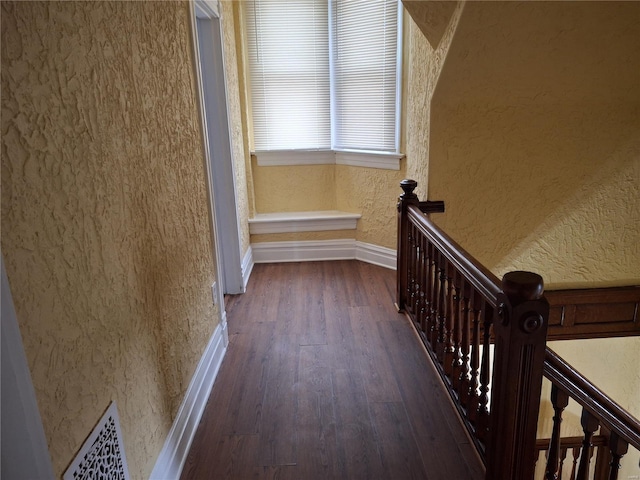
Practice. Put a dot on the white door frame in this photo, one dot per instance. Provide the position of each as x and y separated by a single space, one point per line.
212 93
25 453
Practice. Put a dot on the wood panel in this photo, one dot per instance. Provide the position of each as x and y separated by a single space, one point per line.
324 379
593 313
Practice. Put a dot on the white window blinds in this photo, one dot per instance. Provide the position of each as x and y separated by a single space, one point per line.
364 45
288 46
324 76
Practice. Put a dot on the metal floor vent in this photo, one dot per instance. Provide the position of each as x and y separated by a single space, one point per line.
102 455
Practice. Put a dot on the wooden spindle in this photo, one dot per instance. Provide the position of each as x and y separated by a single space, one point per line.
465 372
436 299
589 425
559 401
447 357
429 289
563 456
475 359
483 400
442 295
412 262
575 451
425 276
618 448
456 360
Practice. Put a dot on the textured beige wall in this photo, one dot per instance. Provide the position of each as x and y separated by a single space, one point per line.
374 194
423 63
105 229
535 139
298 188
240 152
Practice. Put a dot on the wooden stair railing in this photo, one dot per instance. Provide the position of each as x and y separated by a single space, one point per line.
618 429
457 306
460 308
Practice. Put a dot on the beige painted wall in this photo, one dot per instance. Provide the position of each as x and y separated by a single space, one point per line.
430 30
239 146
535 140
105 227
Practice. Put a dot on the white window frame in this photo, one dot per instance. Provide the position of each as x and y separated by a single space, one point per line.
359 158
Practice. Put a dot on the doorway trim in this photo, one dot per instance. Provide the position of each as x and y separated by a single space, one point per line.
214 115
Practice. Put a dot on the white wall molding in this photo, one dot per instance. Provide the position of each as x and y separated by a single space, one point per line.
247 266
314 221
385 161
382 256
303 251
295 157
309 251
25 453
354 158
176 447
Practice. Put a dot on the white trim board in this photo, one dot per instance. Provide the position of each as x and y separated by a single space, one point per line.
354 158
309 251
176 447
247 266
314 221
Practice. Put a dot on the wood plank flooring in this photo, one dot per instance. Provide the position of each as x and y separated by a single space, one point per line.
323 379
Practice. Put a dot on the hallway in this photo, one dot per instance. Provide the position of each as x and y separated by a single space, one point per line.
324 379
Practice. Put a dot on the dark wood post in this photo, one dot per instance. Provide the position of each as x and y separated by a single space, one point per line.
520 329
405 199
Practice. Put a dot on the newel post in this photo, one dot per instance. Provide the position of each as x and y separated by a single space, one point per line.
520 330
407 198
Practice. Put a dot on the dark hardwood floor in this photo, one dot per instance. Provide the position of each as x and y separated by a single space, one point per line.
324 379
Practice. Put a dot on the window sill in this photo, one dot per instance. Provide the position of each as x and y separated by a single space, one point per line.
367 159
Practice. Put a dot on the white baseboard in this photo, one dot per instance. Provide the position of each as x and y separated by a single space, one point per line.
247 266
309 251
176 447
382 256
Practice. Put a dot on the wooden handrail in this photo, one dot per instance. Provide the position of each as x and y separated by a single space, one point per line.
457 305
459 308
480 277
610 414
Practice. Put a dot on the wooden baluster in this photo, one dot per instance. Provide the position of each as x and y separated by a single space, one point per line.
433 332
618 448
520 331
442 311
589 425
483 401
447 357
422 279
559 400
575 452
429 289
456 360
602 465
475 359
465 371
407 198
563 456
449 325
411 294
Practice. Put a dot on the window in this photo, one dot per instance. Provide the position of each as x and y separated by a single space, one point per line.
324 74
